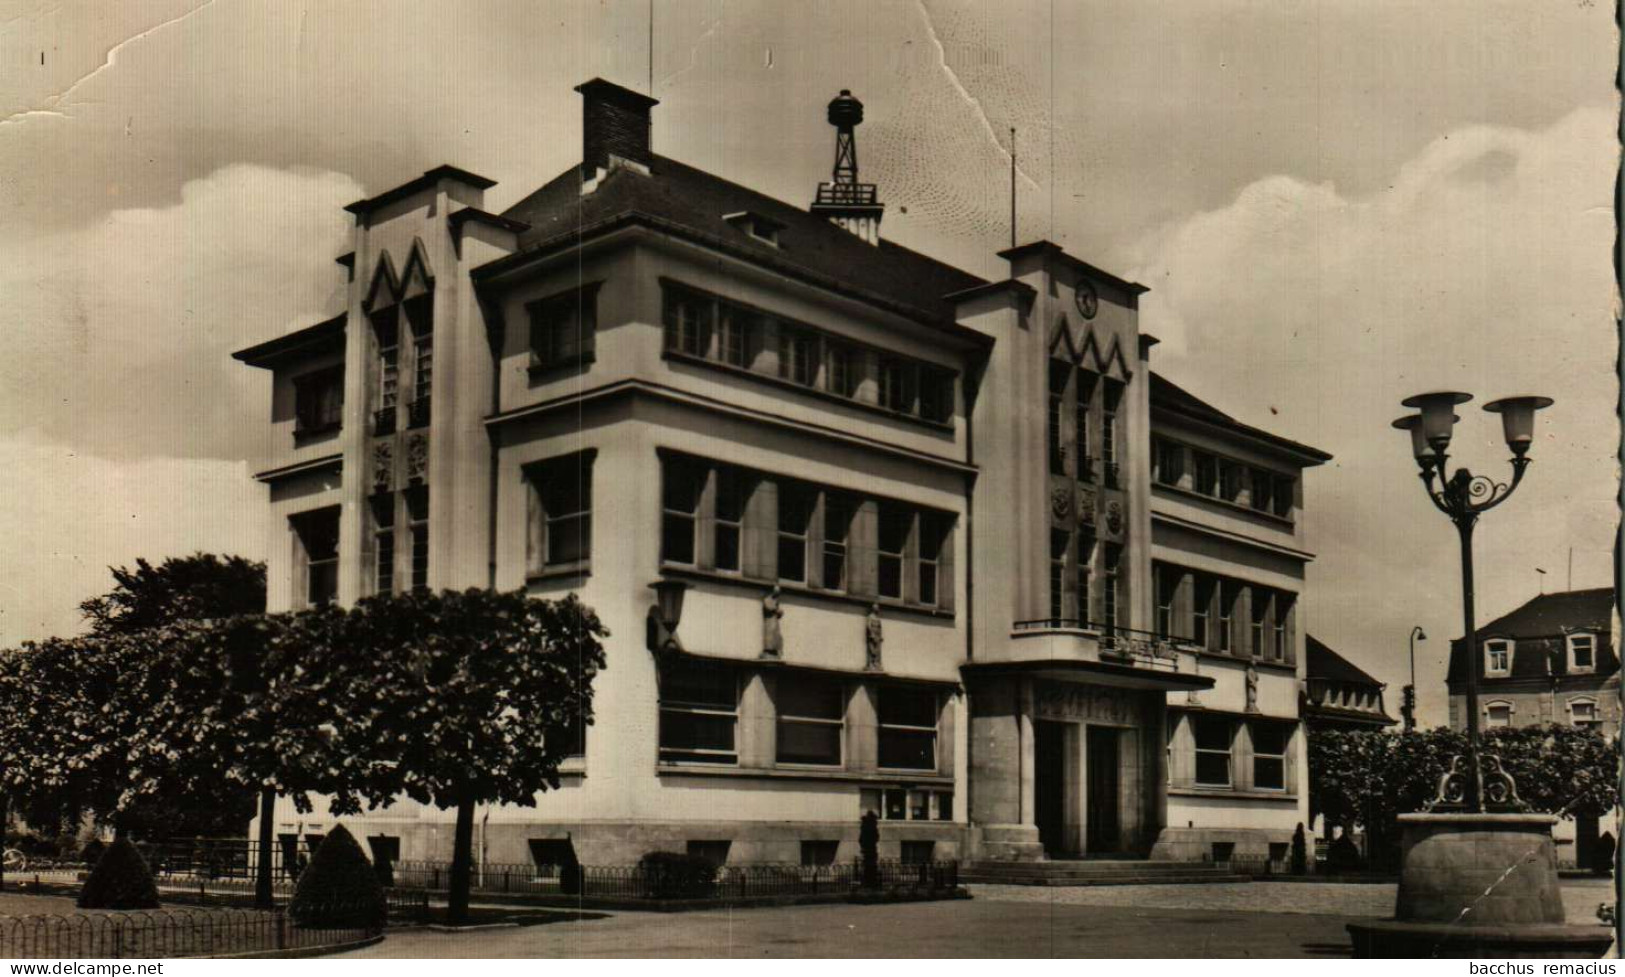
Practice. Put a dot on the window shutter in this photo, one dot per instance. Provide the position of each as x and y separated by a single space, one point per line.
1291 612
705 547
863 549
945 572
761 557
919 523
815 542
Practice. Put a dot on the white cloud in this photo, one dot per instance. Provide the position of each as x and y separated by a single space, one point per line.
1484 265
121 330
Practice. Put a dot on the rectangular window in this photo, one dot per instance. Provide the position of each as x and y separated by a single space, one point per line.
1278 635
319 401
1583 713
1085 564
844 364
1582 652
1167 580
1213 736
1170 460
688 322
936 394
383 544
419 312
681 483
562 328
908 728
1270 744
917 852
811 723
1285 491
318 535
797 359
933 537
1497 656
1108 586
1108 432
563 488
1083 397
733 490
737 336
897 385
1230 475
1059 374
417 512
1229 595
818 853
896 523
1262 485
1059 541
386 327
1207 472
1498 714
699 714
795 515
838 512
1202 606
1260 620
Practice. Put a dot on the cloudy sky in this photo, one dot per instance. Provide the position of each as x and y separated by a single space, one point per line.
1336 204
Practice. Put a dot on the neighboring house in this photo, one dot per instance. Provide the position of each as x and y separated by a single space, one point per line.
1552 660
954 554
1339 695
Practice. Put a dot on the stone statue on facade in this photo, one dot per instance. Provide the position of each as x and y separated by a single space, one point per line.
772 636
1252 689
872 639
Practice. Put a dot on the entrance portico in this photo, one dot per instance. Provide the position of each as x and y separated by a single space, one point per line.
1065 765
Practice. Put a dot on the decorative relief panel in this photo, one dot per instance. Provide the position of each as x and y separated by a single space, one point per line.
383 466
417 459
1088 703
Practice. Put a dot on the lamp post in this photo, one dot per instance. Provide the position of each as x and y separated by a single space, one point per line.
1407 706
1464 497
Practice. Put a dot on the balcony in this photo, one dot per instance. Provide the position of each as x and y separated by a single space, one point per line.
417 413
383 422
1071 649
1113 642
846 195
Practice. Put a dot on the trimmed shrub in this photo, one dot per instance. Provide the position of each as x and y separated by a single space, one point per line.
677 875
339 888
120 880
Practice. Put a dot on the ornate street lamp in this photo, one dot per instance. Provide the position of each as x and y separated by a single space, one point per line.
1407 706
1464 497
1453 863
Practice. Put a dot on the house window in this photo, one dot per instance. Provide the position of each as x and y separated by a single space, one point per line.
1278 635
1583 713
1497 656
936 394
318 536
1086 560
1202 606
897 385
681 483
422 361
714 851
1108 432
1285 491
1213 736
933 537
318 399
562 328
386 327
733 489
1059 374
843 369
1207 472
1582 653
688 322
1170 458
383 543
917 852
1108 586
811 723
1083 397
417 512
797 361
908 728
795 514
899 804
1498 714
699 712
1229 595
1262 483
1167 587
737 337
1230 475
838 511
1058 543
1270 744
818 853
561 520
895 524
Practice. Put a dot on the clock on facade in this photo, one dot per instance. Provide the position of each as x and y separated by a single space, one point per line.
1088 302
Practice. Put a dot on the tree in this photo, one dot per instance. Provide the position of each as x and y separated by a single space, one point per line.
468 698
188 588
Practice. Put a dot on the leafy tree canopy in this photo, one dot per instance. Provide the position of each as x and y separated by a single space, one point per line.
188 588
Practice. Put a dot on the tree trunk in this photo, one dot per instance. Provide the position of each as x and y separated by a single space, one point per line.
462 862
262 876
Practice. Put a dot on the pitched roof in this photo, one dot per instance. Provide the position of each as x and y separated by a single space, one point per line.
1538 628
301 342
687 199
1323 663
1169 396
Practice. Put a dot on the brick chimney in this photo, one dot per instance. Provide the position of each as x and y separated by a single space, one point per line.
614 122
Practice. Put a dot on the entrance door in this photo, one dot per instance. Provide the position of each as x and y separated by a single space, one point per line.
1104 833
1049 785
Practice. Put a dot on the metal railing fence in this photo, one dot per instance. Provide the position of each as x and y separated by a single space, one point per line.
163 933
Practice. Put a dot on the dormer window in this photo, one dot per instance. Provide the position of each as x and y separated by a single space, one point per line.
1497 656
764 229
1582 652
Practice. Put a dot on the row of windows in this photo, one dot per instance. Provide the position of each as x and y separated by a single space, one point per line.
413 360
1085 579
1581 648
1582 712
1224 615
709 327
735 520
1215 739
317 534
1092 418
700 707
1205 473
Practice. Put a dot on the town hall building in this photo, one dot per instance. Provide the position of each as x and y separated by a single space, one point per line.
869 532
